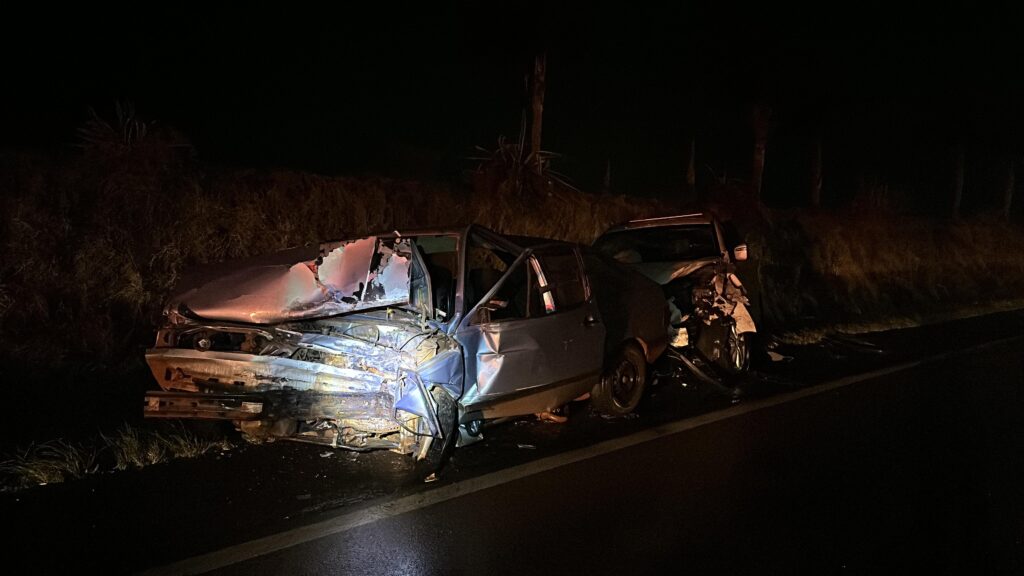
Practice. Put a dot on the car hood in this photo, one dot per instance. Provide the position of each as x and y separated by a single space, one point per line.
665 272
344 276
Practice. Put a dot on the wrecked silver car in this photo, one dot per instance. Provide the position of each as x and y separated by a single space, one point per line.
404 342
688 257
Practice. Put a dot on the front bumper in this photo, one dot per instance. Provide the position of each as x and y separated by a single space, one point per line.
202 406
210 385
231 373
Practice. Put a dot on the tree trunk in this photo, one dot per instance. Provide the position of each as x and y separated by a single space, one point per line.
539 68
758 168
958 182
816 174
691 170
762 120
1011 183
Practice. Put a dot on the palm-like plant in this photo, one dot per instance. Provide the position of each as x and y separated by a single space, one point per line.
517 169
129 136
125 133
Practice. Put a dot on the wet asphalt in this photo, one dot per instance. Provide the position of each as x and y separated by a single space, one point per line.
920 469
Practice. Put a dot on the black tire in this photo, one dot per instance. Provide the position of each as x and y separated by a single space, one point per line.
622 382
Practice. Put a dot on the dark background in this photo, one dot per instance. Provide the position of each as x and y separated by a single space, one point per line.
409 90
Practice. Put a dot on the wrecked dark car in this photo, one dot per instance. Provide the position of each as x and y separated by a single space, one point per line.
407 342
688 257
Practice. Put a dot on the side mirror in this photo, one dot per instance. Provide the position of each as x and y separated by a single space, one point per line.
739 253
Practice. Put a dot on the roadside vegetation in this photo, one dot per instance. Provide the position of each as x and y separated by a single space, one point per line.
866 270
92 243
127 448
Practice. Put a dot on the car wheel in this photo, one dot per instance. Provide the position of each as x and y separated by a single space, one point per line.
622 383
736 357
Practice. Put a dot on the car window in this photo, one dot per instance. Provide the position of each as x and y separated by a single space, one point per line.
564 278
520 296
661 244
485 265
440 256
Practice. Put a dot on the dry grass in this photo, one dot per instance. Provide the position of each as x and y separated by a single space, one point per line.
180 442
131 448
870 269
58 461
813 335
48 463
134 448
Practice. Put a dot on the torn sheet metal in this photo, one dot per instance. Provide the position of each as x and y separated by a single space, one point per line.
744 323
347 276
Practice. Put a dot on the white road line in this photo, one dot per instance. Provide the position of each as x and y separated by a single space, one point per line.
385 508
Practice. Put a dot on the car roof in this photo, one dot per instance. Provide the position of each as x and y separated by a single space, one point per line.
534 242
519 241
677 220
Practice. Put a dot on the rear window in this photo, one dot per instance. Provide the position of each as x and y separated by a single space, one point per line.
663 244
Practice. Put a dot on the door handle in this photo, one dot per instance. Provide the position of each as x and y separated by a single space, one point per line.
590 320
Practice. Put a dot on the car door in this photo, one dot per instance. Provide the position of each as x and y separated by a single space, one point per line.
534 341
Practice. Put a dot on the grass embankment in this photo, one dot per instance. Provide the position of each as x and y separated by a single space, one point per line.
859 271
56 461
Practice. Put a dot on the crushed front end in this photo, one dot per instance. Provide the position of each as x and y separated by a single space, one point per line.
352 382
335 363
708 295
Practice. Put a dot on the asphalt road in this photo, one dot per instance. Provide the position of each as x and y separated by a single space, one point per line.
917 470
918 466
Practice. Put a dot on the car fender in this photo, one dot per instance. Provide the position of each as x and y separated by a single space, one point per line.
744 322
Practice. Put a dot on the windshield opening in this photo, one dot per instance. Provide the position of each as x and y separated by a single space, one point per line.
662 244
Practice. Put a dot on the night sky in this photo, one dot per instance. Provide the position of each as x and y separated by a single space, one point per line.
409 91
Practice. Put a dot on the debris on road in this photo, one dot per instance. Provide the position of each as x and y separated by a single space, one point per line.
552 417
776 357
